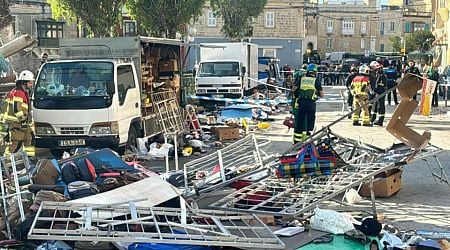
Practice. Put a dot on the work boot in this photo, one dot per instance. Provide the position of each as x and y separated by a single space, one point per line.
349 116
380 121
373 117
367 125
356 124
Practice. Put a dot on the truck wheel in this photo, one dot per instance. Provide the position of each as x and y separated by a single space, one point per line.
131 145
57 153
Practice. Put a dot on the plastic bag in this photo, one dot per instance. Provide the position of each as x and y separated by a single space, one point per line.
331 221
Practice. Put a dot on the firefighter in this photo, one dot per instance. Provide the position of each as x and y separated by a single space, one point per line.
360 88
17 115
379 87
308 90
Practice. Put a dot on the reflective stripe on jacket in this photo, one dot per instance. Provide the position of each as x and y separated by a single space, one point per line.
17 109
360 85
307 88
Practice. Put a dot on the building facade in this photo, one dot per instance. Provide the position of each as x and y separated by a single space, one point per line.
441 30
278 31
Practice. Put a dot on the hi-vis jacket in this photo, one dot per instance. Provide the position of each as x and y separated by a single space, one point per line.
360 86
307 89
17 108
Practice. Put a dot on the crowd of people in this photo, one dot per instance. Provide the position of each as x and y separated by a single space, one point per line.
366 85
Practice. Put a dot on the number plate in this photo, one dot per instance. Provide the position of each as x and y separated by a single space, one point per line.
75 142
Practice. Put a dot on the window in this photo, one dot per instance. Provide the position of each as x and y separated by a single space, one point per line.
125 81
381 47
270 52
418 26
330 26
392 26
212 20
363 28
270 19
329 43
13 23
49 29
363 43
129 28
348 27
381 25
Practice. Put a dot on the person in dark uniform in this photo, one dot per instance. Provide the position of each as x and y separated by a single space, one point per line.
308 90
392 76
348 83
413 70
379 88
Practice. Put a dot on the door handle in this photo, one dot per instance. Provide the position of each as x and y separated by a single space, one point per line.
136 105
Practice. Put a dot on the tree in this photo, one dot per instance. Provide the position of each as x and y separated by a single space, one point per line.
100 16
5 14
423 40
164 18
237 16
419 40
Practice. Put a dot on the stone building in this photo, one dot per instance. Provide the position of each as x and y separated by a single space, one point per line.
441 31
278 31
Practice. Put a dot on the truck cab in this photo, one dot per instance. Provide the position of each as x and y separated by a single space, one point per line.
220 78
103 93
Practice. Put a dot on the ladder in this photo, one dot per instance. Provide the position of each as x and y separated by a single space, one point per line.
13 167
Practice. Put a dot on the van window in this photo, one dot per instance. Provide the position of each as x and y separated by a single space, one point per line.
125 81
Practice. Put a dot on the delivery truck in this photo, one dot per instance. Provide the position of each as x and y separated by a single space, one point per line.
99 92
226 69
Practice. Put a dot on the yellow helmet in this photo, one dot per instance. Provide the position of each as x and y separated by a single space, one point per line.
187 151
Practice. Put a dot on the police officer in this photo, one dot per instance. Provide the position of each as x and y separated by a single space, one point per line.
379 88
308 90
392 76
17 115
360 88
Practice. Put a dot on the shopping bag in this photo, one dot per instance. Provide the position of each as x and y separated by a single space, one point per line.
307 162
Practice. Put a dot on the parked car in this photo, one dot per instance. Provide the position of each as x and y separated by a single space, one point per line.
444 78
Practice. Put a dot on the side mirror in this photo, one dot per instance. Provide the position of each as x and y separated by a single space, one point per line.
243 70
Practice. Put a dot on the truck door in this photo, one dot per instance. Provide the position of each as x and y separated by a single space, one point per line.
129 99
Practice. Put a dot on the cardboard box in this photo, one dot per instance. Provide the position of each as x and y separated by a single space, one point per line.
384 184
226 133
168 65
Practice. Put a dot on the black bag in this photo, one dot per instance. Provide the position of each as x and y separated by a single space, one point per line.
69 172
81 189
86 170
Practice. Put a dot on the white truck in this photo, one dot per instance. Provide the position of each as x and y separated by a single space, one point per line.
225 69
98 94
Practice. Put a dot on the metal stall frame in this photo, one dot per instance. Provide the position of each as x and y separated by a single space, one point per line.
56 221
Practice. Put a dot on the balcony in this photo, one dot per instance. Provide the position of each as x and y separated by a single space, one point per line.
363 31
348 32
329 30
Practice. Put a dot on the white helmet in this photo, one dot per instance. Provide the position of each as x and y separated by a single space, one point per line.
364 69
375 65
26 75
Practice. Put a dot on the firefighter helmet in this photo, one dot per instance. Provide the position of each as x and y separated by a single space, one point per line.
364 69
26 75
375 65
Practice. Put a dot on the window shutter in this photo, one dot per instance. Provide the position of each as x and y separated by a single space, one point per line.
407 27
427 26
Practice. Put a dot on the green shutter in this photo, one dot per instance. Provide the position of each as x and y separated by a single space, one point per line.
407 27
427 26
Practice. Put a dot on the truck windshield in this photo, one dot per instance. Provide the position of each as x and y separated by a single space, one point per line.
74 85
209 69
